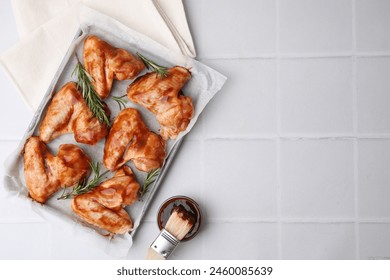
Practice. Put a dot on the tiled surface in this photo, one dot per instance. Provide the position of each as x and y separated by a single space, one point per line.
24 241
5 148
12 128
373 98
230 181
372 22
241 241
315 25
251 88
289 161
321 172
374 241
374 178
245 28
318 241
316 96
182 179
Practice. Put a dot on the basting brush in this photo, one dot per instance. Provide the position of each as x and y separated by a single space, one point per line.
177 227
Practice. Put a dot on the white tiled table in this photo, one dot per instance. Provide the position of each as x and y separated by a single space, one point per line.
290 161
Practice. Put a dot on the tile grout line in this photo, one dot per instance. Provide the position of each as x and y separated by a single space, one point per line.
351 220
287 56
278 140
355 130
302 136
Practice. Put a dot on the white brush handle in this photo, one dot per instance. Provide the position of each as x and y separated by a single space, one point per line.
153 255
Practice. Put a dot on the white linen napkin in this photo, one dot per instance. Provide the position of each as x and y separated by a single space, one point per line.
47 27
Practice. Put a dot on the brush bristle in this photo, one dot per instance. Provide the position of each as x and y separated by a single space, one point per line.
153 255
180 222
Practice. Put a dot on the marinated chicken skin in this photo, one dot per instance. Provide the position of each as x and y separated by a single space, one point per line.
106 63
45 174
69 113
103 207
131 139
162 96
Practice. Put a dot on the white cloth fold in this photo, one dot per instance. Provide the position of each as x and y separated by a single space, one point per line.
47 27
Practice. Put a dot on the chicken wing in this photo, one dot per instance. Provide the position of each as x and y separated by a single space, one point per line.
162 96
69 113
103 207
106 63
130 139
45 174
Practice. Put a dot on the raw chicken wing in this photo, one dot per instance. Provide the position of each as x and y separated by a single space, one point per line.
69 113
106 63
162 96
103 207
131 139
45 174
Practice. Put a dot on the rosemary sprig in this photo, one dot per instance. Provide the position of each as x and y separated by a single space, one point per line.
121 100
84 186
94 102
150 178
160 70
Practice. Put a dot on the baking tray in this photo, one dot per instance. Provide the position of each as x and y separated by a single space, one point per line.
203 85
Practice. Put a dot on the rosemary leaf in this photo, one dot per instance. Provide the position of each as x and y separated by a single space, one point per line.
150 178
94 102
160 70
83 186
121 100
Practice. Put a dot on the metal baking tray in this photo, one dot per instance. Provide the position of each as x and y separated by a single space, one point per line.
202 87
